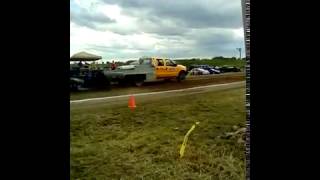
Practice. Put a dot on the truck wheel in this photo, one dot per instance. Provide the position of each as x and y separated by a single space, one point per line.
102 82
137 80
181 76
138 83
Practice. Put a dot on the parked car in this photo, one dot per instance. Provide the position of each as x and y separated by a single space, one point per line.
194 71
198 66
204 71
199 71
212 70
225 69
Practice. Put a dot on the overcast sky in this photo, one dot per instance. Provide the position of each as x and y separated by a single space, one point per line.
129 29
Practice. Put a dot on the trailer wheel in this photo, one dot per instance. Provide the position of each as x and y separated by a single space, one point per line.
101 82
138 82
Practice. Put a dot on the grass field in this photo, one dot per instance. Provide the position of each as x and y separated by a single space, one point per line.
111 142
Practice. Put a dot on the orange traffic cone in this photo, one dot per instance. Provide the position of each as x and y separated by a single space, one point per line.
132 103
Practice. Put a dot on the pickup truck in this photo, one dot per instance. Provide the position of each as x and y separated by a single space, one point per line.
147 69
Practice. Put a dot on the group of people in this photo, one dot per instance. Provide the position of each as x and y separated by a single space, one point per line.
113 65
93 65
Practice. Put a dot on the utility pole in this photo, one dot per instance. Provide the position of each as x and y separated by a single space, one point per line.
239 49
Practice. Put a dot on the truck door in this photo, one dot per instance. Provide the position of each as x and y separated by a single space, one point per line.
160 68
171 68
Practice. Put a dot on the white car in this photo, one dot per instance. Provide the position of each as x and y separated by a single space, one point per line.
215 71
199 71
204 72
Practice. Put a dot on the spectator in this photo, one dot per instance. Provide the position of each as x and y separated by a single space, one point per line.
108 66
93 66
113 65
80 64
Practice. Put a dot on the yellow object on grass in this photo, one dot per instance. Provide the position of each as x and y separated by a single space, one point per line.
183 146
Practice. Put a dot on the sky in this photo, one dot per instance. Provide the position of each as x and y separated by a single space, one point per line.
129 29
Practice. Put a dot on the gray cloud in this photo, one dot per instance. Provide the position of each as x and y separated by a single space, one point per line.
83 17
215 42
121 31
161 27
192 14
195 28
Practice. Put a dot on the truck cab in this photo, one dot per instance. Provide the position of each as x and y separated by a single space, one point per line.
166 68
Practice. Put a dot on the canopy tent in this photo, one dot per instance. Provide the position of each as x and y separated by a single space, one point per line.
84 56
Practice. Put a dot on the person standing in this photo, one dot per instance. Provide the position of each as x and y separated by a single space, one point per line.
80 64
113 65
93 66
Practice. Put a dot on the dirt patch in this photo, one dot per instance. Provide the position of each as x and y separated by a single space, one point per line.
161 86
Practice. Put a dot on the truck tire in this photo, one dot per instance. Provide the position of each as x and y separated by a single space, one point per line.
137 80
138 83
181 76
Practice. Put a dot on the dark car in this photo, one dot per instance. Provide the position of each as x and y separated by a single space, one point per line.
225 69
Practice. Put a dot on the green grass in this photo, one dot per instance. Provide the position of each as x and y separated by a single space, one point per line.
111 142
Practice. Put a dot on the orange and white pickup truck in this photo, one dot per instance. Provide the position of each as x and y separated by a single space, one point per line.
147 69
